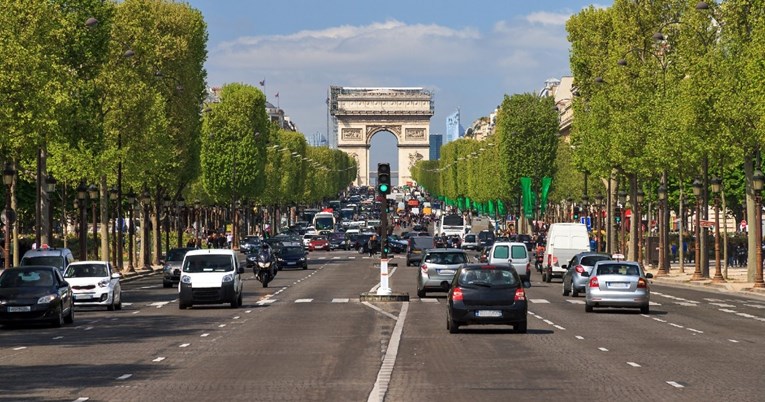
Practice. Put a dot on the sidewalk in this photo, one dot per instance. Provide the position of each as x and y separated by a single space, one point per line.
736 282
140 273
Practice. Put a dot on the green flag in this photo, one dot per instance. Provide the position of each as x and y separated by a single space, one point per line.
528 202
501 208
546 181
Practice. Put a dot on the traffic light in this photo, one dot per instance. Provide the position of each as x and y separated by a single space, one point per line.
576 213
618 214
383 178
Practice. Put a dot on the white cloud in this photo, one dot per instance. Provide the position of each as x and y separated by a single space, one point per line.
547 18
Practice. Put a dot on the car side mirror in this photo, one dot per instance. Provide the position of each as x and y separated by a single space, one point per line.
649 275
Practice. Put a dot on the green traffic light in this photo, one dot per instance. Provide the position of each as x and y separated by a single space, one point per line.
383 188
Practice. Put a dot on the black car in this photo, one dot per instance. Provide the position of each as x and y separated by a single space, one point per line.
292 257
248 243
486 294
336 240
171 270
486 238
35 294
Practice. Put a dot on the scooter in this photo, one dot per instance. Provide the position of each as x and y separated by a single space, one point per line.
263 269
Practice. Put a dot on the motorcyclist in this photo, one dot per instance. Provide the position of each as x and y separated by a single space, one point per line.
265 256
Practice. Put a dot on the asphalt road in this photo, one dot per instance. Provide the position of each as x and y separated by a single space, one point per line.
308 338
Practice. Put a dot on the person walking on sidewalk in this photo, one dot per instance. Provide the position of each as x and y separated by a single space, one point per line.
673 250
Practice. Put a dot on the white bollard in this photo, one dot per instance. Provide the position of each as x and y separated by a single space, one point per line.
384 288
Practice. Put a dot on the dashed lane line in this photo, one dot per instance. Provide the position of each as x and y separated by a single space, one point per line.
539 301
675 384
429 300
575 301
341 300
20 348
124 377
81 399
184 345
389 361
733 340
633 364
159 359
205 335
303 300
581 338
603 349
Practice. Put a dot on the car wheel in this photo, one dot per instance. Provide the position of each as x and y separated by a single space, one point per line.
645 309
305 266
59 320
587 308
565 291
167 284
521 328
544 276
451 325
574 292
69 318
420 293
118 306
183 306
549 278
110 307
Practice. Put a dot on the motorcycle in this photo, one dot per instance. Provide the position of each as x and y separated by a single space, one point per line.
264 268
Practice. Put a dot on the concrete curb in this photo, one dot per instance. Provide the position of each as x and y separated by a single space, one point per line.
132 276
735 288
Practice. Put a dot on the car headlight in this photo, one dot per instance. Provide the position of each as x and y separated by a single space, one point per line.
167 268
302 258
3 301
186 279
228 278
103 283
47 299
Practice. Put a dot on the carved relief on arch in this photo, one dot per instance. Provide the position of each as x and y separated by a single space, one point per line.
352 134
371 130
415 133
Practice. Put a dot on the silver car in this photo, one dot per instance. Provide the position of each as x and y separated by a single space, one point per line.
617 284
573 280
438 266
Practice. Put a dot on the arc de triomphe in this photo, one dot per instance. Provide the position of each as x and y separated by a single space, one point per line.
360 113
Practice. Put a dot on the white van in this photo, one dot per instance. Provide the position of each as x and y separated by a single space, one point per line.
211 276
564 241
513 253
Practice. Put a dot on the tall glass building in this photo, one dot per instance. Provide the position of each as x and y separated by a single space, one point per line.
436 140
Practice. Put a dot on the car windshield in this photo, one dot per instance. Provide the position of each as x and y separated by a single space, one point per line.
319 238
207 263
176 254
292 251
423 242
86 271
592 259
470 238
337 236
446 258
51 261
495 278
26 278
619 269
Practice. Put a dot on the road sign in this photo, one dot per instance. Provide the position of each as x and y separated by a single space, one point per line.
707 224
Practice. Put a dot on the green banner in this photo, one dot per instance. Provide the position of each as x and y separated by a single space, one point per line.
501 208
546 181
528 202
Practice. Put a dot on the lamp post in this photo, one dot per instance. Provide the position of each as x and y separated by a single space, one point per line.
622 197
167 202
663 268
50 187
93 194
757 180
180 203
716 183
197 242
8 214
586 207
145 200
569 209
639 198
599 199
697 185
115 257
131 230
82 193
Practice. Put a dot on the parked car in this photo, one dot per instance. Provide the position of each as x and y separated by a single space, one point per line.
514 253
617 284
486 294
291 257
35 294
171 271
49 256
417 247
470 242
574 281
564 240
437 268
94 283
318 243
211 276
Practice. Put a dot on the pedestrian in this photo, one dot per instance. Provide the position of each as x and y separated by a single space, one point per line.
673 250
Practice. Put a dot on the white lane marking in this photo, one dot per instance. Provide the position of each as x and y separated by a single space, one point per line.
340 300
264 302
676 325
20 348
695 330
576 301
124 377
248 311
709 299
149 287
725 310
322 258
603 349
539 301
659 319
559 327
429 300
205 335
303 300
136 312
184 345
127 304
159 304
688 304
379 310
236 318
755 305
733 340
159 359
88 328
58 337
579 337
548 322
81 399
676 385
745 315
389 361
650 303
351 258
633 364
335 258
723 305
221 325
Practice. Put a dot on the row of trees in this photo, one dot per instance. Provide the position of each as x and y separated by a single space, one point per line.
112 94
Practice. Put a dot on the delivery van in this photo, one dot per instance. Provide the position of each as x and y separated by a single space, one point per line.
564 241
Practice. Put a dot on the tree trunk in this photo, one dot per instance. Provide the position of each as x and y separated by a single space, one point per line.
104 213
156 220
634 219
680 230
751 260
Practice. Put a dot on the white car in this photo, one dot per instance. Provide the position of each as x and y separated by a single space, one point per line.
211 276
94 283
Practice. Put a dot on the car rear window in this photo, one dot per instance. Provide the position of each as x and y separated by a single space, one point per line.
519 252
591 260
495 278
446 258
51 261
502 252
207 263
470 238
619 269
86 271
423 242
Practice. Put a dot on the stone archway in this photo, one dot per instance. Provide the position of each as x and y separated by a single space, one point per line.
360 113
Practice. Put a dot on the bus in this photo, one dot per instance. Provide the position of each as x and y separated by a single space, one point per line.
324 221
308 214
452 225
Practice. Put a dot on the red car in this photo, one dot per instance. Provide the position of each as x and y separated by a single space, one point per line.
318 243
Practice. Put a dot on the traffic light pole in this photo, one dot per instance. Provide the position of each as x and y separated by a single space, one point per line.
384 288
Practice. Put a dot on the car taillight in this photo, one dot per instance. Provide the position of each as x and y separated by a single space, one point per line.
579 269
424 267
520 294
594 282
457 294
642 283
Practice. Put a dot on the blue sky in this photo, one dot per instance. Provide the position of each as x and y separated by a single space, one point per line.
469 53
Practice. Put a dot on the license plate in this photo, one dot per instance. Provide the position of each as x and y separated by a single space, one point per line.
488 313
291 263
446 272
19 309
618 285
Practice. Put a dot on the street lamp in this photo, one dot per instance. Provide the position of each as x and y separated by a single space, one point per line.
697 186
599 199
131 198
113 197
50 187
622 197
82 193
180 203
197 243
145 200
663 268
569 209
716 183
166 202
8 214
757 180
640 196
93 194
